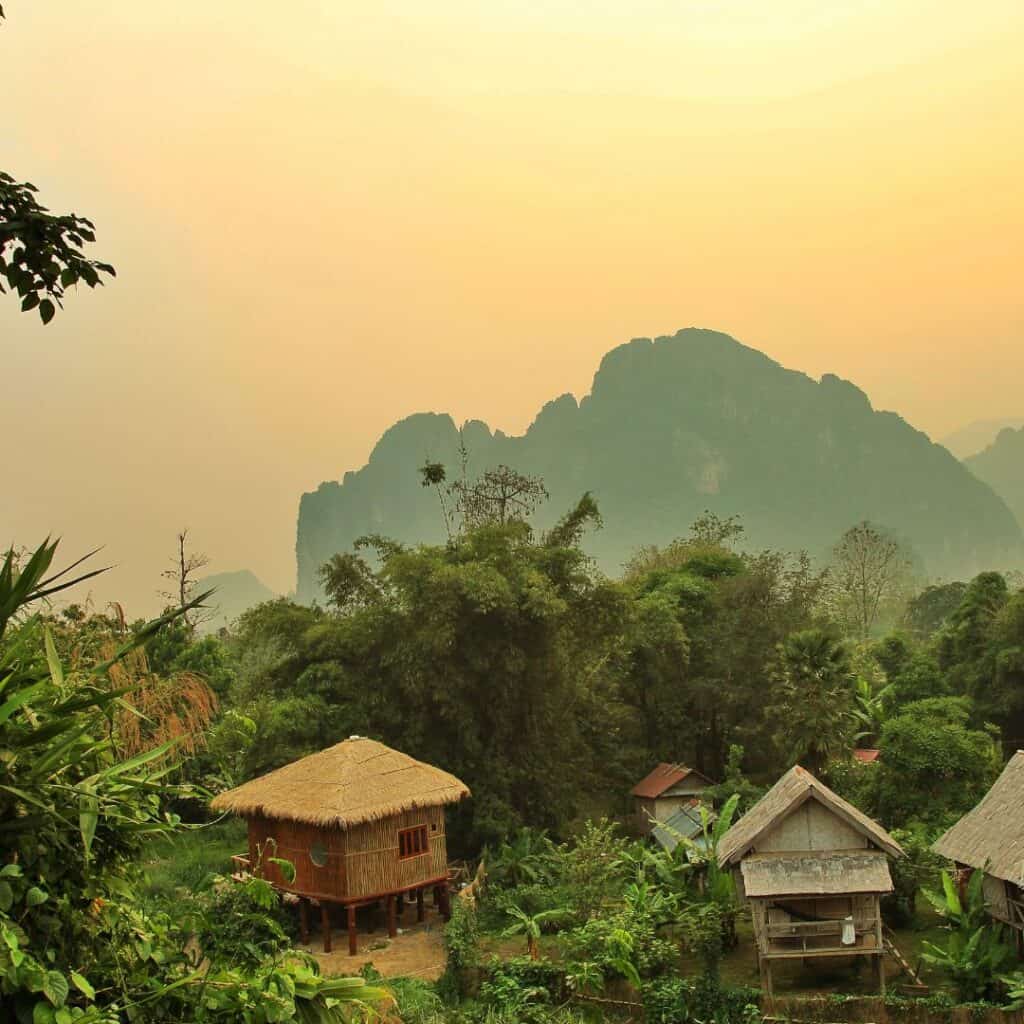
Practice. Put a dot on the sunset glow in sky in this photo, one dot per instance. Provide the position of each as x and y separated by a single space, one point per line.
326 216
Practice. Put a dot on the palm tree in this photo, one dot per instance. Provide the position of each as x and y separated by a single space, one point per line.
816 696
531 925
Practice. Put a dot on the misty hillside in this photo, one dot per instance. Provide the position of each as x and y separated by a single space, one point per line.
236 592
675 426
1001 466
975 437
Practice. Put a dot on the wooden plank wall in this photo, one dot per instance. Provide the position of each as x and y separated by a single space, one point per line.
811 827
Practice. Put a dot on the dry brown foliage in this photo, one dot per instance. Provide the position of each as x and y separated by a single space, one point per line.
157 710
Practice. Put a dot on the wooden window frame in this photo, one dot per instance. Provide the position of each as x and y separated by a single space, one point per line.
413 842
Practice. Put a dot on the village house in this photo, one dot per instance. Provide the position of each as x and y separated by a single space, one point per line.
361 824
990 838
813 870
666 790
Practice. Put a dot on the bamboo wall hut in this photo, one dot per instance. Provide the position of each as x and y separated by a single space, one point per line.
361 823
990 838
813 869
666 789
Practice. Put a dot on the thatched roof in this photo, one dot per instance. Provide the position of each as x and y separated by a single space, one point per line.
816 874
991 837
352 782
791 791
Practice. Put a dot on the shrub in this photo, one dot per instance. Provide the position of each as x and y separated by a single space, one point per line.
684 1000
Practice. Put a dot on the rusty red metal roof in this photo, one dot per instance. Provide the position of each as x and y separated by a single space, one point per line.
663 777
866 756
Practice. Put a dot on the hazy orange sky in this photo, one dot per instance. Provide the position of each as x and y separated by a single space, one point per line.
326 216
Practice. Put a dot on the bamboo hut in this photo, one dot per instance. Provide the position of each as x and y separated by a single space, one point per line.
990 838
362 824
664 791
813 869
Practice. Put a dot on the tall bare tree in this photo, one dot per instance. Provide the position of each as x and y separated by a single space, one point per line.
183 574
870 569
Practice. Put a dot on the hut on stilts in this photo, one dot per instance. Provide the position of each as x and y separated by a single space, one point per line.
361 824
990 838
813 869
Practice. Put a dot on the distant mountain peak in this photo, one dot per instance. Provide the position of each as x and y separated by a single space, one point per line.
675 425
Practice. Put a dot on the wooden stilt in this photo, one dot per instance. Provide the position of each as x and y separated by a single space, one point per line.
446 907
304 921
325 925
880 961
353 940
392 927
436 897
400 904
419 905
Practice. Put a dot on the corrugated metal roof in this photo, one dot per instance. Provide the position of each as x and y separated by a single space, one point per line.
789 793
991 836
815 874
663 777
686 823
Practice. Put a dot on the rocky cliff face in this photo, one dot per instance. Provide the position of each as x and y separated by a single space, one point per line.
675 426
1001 466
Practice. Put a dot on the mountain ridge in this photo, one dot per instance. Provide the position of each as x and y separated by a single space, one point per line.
1001 466
670 427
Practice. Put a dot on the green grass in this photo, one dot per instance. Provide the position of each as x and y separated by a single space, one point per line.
190 858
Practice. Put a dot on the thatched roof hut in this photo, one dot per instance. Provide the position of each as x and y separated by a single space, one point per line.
990 838
790 793
353 782
359 822
812 867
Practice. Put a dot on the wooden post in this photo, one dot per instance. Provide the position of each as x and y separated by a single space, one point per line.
304 921
419 904
392 927
325 925
881 973
353 941
446 907
400 904
436 897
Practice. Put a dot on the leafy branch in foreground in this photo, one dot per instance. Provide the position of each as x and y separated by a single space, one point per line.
41 252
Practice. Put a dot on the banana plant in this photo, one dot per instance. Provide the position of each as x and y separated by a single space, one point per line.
975 952
531 925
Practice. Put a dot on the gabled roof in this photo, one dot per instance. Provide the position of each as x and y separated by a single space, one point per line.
354 781
991 836
791 791
816 873
663 777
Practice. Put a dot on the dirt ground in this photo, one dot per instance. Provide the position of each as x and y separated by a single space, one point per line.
417 951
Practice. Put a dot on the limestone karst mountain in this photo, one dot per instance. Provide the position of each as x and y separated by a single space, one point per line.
1001 466
670 428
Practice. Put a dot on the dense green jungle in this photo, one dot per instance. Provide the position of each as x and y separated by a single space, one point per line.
505 656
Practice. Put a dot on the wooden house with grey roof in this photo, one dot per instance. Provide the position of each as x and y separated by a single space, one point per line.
812 869
990 838
361 824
